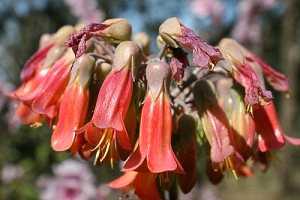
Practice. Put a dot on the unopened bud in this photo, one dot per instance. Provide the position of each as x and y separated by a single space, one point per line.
118 30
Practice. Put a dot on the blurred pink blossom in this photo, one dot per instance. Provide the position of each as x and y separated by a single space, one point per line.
73 180
12 120
85 10
10 173
208 8
103 192
247 29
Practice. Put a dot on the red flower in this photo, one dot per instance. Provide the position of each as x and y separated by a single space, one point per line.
277 80
75 96
243 125
270 134
115 93
187 153
44 98
143 184
244 74
48 53
154 143
216 126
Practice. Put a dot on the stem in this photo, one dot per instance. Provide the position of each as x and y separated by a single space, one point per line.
96 55
104 47
162 51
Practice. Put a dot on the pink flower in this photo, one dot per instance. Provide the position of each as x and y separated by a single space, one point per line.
73 180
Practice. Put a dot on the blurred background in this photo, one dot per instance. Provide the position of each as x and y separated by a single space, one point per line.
30 169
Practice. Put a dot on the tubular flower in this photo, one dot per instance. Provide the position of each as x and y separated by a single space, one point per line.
243 73
187 153
111 102
142 183
48 53
75 95
216 126
270 134
44 98
243 125
154 143
116 91
277 80
112 30
175 34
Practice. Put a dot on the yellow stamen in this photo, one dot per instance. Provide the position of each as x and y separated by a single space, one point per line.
97 156
100 142
231 166
36 125
211 66
249 109
106 151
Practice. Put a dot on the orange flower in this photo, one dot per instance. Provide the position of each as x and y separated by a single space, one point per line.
116 92
154 143
75 96
44 98
216 126
143 184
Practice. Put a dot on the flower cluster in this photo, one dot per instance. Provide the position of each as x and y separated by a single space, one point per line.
106 99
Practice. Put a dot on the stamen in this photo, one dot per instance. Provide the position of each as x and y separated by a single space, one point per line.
249 109
100 142
228 159
36 125
106 151
97 156
211 66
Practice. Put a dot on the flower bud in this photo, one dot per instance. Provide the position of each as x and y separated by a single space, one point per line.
187 153
143 40
158 75
118 30
169 29
62 35
102 70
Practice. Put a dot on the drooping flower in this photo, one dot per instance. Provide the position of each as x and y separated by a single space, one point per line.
116 92
154 143
75 96
44 98
187 153
242 123
244 74
216 126
34 74
276 79
177 35
270 134
48 53
142 183
111 30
